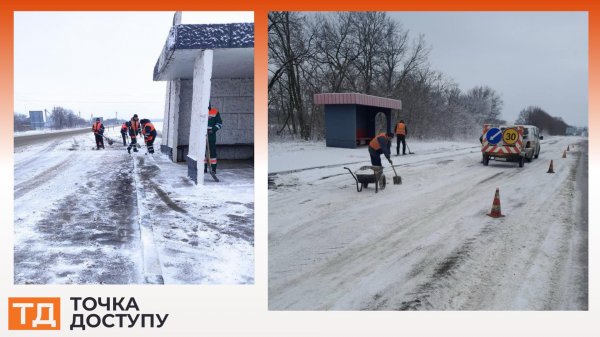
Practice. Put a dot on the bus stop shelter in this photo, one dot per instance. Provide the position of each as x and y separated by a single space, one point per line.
350 117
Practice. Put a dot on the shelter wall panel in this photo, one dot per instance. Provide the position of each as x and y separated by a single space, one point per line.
225 87
247 87
185 112
340 124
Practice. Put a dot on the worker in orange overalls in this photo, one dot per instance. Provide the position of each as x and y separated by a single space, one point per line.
215 123
400 137
98 130
149 133
134 130
124 129
380 145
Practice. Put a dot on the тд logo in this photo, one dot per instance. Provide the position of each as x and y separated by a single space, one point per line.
34 313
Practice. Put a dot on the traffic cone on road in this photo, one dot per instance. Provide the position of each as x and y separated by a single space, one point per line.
567 147
496 213
551 168
564 154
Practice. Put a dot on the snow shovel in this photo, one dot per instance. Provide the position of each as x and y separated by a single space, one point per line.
208 164
110 141
396 178
409 151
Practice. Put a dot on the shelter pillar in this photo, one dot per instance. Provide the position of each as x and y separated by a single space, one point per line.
199 115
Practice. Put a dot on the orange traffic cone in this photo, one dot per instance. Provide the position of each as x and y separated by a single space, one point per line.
567 147
564 154
551 168
496 213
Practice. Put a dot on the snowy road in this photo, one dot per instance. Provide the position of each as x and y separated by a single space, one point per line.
427 244
37 137
84 216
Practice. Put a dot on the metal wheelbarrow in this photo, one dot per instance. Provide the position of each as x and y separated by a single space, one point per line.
368 175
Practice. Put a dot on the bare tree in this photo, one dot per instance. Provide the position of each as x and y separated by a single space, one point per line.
337 49
21 122
365 52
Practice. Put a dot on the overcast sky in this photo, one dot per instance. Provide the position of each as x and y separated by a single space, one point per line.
96 62
530 58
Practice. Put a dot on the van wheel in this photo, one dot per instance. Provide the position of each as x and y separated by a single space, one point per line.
486 160
529 159
537 154
521 161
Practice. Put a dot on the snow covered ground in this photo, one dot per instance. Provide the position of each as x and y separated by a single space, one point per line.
86 216
427 244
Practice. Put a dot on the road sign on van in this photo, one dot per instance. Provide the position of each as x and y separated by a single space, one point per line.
493 136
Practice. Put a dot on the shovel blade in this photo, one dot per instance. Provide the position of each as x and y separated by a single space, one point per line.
397 180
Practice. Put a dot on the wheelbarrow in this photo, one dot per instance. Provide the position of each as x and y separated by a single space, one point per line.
368 175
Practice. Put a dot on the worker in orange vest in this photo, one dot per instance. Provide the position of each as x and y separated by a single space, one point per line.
400 137
380 145
149 133
134 130
124 129
98 130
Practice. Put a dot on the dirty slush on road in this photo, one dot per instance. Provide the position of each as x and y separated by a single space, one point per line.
80 217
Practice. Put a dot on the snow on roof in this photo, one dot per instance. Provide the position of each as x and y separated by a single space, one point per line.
184 42
358 99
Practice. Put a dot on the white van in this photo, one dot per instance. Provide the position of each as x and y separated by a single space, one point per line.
531 140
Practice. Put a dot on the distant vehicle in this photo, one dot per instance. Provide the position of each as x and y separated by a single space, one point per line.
503 143
531 137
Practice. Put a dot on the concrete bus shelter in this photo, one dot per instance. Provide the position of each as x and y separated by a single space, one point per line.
212 63
350 117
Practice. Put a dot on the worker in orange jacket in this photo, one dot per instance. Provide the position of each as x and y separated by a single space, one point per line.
98 130
401 137
134 131
124 129
149 133
380 145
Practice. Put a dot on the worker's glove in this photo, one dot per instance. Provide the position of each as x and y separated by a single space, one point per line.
215 129
390 161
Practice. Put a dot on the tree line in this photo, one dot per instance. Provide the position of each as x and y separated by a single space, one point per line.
59 118
535 115
369 53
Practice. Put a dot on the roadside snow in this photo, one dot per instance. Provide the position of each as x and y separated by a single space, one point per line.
288 156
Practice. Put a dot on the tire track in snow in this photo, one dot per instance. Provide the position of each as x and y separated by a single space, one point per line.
41 178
